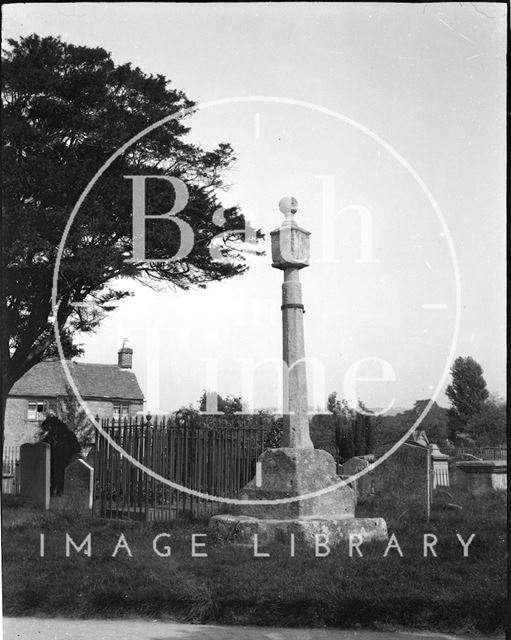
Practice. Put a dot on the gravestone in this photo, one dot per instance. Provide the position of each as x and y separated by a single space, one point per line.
405 478
440 462
91 456
78 487
35 474
480 477
362 485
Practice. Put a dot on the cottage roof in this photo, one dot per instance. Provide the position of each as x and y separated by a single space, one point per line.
47 379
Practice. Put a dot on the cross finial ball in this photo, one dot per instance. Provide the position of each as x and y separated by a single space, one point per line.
288 205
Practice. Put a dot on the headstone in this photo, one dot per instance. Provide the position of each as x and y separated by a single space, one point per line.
78 487
90 457
405 478
362 485
35 474
440 463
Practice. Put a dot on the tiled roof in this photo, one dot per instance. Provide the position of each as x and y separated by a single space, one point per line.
93 381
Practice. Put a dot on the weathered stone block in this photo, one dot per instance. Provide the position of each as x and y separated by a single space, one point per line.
241 529
287 473
290 246
479 477
35 474
78 487
405 477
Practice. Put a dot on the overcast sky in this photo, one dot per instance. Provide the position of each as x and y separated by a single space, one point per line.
429 81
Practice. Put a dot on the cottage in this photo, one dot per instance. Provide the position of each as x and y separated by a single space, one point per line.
109 390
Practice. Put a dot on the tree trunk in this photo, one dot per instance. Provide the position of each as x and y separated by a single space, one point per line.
4 391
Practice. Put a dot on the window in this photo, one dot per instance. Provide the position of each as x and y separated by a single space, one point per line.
37 410
121 410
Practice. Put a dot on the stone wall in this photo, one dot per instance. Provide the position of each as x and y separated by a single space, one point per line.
18 429
105 408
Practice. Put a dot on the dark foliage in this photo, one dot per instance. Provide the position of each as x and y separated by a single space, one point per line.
63 446
467 393
66 110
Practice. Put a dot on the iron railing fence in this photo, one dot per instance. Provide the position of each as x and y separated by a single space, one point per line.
485 453
10 470
182 460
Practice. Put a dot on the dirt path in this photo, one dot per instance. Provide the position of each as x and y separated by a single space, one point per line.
69 629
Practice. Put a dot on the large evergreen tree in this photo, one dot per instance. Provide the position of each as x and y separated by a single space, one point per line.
66 110
488 428
467 393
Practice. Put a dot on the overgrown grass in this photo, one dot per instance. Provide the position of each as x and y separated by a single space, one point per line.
447 593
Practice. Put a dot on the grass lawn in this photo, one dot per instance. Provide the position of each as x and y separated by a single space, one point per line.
449 593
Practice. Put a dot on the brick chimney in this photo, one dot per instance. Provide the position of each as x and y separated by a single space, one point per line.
125 355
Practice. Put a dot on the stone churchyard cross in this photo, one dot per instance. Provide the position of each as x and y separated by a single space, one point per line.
290 252
296 490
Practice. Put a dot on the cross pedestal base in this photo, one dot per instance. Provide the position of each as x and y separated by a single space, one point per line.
288 473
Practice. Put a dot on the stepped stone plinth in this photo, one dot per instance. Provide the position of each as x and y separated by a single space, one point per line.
243 529
287 473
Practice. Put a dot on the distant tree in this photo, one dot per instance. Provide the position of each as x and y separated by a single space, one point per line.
388 429
488 428
354 430
368 423
228 405
434 423
340 407
370 428
333 403
185 415
467 393
359 436
274 435
343 418
344 440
